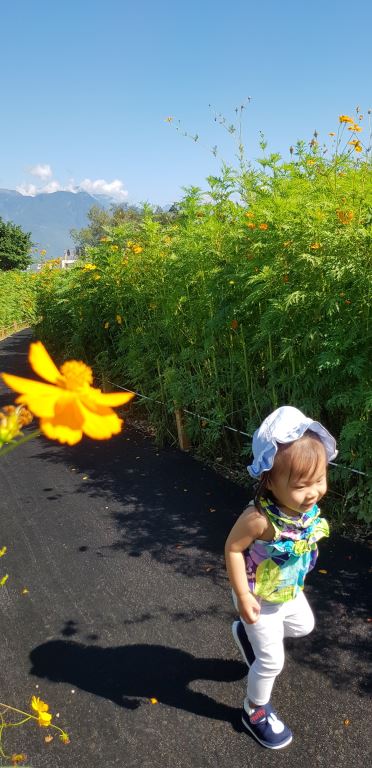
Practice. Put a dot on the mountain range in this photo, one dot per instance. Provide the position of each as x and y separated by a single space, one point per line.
50 217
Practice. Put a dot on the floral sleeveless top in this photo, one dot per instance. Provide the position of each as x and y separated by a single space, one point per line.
277 569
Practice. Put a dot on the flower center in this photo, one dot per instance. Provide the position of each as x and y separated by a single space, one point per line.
76 374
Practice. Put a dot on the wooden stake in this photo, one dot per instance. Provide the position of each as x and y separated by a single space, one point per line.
183 438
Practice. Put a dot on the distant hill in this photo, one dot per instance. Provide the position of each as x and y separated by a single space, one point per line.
50 217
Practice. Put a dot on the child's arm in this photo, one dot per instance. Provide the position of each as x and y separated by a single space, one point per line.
249 526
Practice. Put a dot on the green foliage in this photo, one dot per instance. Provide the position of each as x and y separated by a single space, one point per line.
101 221
15 247
17 291
256 298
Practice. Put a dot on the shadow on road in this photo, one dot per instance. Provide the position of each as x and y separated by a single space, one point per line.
131 675
164 503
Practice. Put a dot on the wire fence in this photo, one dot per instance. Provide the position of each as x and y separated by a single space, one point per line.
207 419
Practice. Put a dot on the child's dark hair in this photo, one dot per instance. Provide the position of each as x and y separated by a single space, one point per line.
302 457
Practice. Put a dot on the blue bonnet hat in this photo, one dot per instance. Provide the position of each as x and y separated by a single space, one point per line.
285 425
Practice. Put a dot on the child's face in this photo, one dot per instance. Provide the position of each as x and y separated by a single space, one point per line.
298 495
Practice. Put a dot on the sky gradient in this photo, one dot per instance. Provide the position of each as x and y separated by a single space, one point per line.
87 85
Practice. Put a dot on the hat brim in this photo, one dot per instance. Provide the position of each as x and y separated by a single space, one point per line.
264 462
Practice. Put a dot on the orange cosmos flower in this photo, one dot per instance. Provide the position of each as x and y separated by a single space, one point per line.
346 119
356 144
18 758
315 246
250 225
345 216
68 406
263 226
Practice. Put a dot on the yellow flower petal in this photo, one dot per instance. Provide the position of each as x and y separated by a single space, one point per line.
42 363
100 427
44 719
63 434
66 426
29 386
40 408
113 399
38 705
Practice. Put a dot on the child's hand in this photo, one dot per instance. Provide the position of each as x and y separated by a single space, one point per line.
249 608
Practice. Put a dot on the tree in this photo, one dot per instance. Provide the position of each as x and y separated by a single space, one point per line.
98 219
15 246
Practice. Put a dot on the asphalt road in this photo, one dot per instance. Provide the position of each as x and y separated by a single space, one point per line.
119 545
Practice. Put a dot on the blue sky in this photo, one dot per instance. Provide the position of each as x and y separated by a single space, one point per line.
86 86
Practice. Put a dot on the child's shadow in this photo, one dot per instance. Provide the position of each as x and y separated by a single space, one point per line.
129 674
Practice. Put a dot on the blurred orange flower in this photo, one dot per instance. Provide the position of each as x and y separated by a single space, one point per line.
67 406
356 144
18 758
345 216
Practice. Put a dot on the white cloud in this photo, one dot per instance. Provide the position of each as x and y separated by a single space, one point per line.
114 189
27 189
102 187
43 172
53 186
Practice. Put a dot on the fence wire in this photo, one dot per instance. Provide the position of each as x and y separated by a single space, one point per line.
224 426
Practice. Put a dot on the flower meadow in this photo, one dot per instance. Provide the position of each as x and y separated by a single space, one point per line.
255 294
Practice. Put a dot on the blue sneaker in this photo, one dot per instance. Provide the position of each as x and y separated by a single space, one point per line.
241 639
266 727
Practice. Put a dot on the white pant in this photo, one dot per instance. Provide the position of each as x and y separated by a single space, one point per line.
276 621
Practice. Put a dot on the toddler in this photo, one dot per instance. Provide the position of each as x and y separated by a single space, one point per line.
269 551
